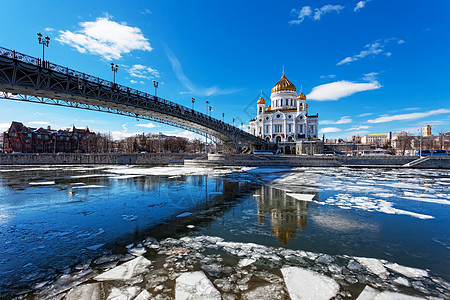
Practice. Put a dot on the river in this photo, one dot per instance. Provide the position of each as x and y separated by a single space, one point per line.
248 230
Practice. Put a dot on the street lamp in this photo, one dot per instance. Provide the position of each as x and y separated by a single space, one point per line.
223 117
193 101
114 68
206 136
233 121
44 42
210 108
155 84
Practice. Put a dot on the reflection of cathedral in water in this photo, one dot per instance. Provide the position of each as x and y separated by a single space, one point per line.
286 213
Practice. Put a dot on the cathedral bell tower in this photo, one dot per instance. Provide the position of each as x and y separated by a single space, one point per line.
301 103
261 106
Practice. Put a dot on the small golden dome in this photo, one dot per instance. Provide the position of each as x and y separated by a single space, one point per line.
284 85
301 96
268 108
261 100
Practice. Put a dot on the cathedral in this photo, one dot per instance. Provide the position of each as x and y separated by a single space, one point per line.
285 120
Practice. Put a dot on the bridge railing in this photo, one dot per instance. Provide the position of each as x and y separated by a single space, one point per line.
96 80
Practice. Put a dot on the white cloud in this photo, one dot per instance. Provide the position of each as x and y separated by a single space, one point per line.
39 123
360 5
328 76
49 29
401 42
411 116
355 128
372 49
342 120
307 11
340 89
141 71
135 81
365 115
318 12
146 11
4 127
106 38
370 76
120 135
329 130
197 90
147 125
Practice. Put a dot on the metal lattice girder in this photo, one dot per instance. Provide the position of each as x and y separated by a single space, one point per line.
25 78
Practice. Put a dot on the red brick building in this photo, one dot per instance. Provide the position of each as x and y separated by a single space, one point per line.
22 139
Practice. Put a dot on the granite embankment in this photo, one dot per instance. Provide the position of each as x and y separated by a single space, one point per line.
228 160
104 159
324 161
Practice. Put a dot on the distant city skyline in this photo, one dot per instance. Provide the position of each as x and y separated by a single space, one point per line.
371 66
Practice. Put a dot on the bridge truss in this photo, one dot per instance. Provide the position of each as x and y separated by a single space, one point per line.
29 79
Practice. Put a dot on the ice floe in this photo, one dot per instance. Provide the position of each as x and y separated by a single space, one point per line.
302 197
90 291
42 183
125 293
95 247
130 217
174 171
185 214
88 186
306 284
195 285
372 294
376 266
347 201
408 271
126 271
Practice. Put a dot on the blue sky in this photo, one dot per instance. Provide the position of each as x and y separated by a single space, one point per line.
366 66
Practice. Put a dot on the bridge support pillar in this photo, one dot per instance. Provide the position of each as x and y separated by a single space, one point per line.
230 147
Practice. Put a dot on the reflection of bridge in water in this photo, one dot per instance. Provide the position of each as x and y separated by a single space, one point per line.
286 213
26 78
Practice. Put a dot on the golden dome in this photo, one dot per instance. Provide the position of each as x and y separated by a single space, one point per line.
284 85
301 96
261 100
269 107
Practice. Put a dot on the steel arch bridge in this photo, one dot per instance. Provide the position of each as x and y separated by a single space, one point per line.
26 78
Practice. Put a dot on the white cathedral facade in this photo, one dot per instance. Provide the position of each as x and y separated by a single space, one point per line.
286 120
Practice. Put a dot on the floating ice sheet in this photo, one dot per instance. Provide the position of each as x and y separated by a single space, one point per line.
306 284
185 214
302 197
88 186
372 294
126 271
195 285
42 183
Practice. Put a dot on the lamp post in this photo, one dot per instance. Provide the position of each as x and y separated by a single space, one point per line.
193 101
44 42
155 84
206 136
223 117
210 109
114 68
233 121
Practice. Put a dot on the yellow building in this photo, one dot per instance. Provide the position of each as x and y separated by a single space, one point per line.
375 139
426 130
